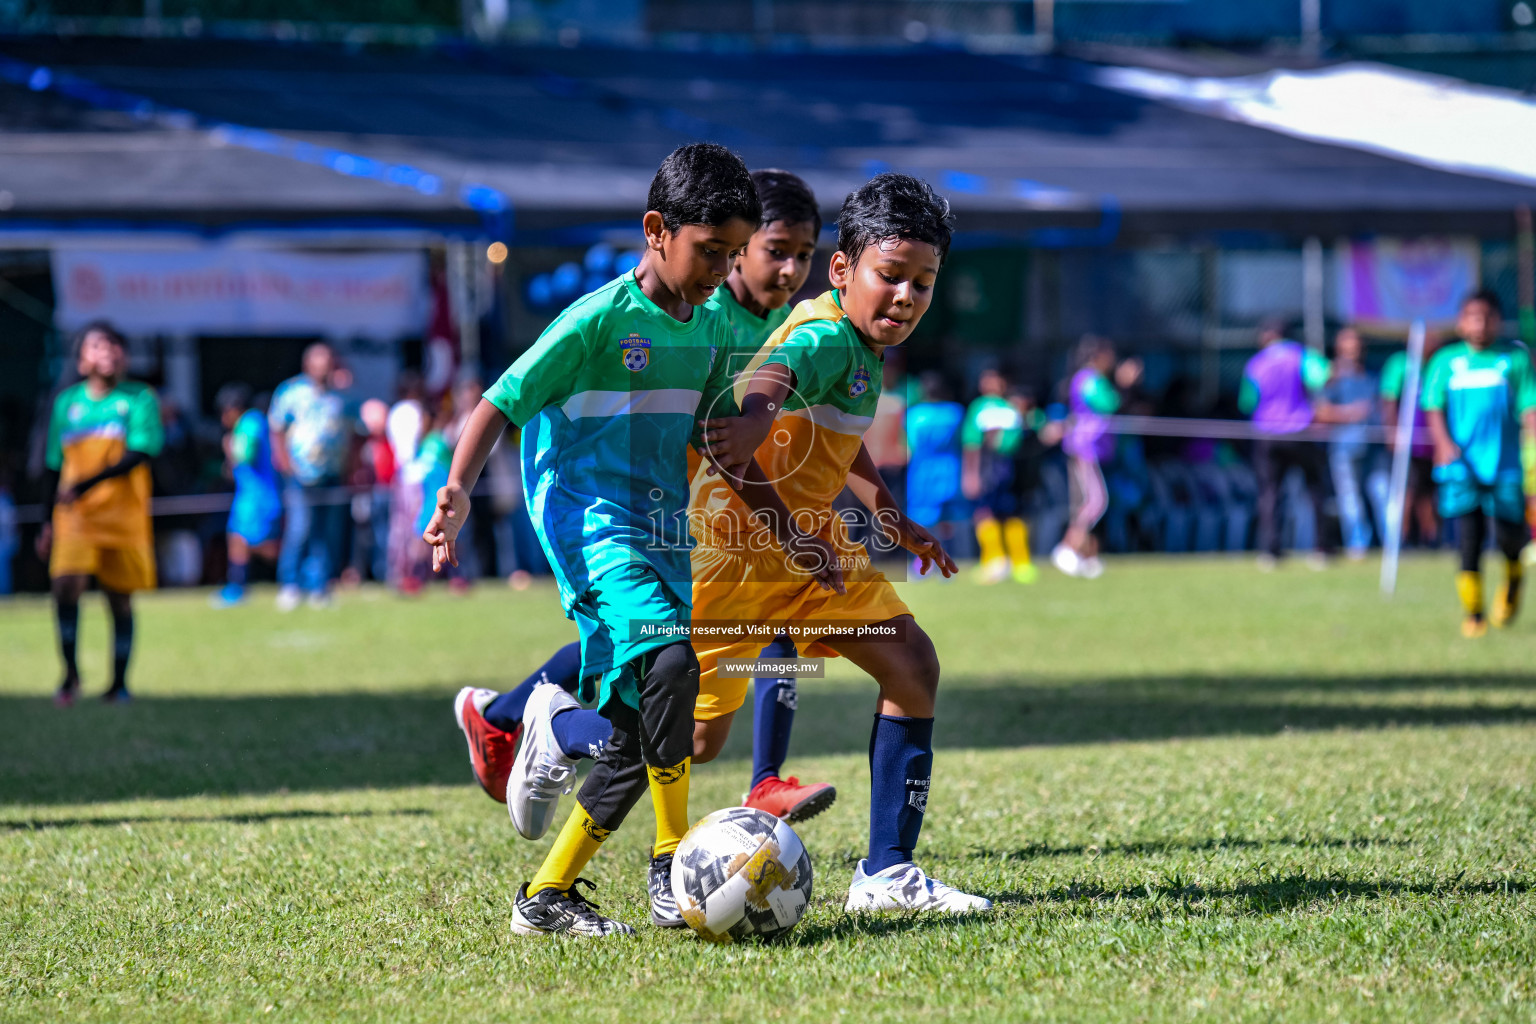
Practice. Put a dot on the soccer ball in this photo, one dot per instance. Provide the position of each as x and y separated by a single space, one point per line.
741 872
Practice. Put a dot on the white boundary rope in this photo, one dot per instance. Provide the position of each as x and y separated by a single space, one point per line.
1142 426
1407 409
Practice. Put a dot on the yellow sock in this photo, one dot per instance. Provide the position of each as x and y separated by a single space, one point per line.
1016 536
1469 587
669 796
578 841
990 536
1506 603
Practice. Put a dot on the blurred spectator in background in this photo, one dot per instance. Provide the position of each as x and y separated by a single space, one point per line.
403 428
1419 500
434 456
886 438
1040 434
933 464
518 555
465 395
373 478
175 470
255 514
1350 395
1093 394
1277 391
989 440
312 434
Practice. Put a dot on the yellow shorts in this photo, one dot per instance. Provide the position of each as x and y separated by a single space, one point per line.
121 569
752 588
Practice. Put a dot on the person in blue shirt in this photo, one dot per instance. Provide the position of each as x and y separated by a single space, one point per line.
255 515
312 434
934 458
1350 395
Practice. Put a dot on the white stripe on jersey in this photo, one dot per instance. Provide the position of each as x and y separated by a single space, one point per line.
834 419
606 404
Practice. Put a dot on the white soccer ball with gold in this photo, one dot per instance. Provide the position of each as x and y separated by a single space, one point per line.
741 872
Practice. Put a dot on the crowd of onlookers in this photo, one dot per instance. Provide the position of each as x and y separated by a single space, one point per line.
347 483
323 488
1059 476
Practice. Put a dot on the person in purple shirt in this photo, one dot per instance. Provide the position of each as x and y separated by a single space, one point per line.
1280 392
1091 398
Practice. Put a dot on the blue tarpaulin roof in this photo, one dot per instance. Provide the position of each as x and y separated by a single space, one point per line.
570 138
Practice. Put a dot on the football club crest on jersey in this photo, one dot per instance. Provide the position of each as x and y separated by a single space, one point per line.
637 353
859 384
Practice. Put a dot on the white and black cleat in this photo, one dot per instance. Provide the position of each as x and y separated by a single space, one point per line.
563 912
658 881
908 887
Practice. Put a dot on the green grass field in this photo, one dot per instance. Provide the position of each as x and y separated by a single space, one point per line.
1194 791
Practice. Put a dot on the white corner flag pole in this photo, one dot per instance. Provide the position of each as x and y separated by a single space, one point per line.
1407 410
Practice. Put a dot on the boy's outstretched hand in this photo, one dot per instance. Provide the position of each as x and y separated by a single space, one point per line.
925 546
817 558
443 530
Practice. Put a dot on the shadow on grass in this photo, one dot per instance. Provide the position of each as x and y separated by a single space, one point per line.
256 818
1033 851
1265 897
1255 899
182 746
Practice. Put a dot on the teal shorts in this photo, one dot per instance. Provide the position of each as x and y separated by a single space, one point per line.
1461 493
625 614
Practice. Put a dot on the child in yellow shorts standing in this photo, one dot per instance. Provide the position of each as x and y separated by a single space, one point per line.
103 432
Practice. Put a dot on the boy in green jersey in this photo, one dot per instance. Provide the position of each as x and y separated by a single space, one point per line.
608 399
1479 393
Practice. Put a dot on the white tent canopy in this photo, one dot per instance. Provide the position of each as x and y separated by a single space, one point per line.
1429 119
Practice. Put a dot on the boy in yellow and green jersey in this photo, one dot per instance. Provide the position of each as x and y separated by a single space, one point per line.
805 402
1479 393
103 432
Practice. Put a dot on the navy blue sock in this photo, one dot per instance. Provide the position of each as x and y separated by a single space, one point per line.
122 648
900 767
563 669
68 614
236 573
581 733
773 714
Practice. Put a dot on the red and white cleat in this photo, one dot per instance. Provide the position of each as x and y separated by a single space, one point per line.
787 799
491 751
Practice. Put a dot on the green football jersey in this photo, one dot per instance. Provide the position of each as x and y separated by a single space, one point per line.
992 415
1483 394
607 398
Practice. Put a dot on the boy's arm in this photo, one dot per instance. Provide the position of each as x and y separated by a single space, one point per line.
803 551
1446 451
971 440
145 437
869 487
731 441
481 432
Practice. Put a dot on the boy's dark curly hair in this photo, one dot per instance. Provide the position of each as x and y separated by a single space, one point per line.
786 197
892 205
703 183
